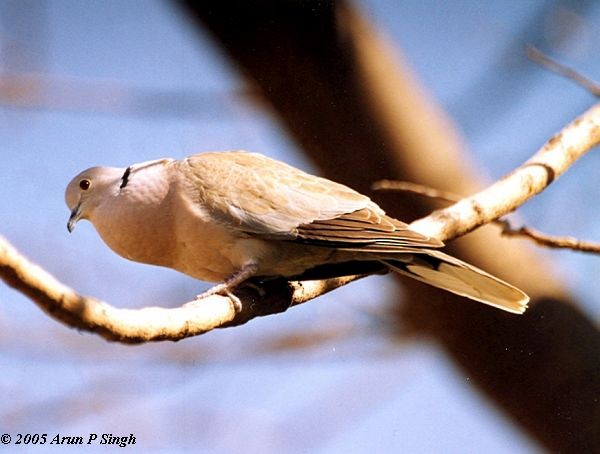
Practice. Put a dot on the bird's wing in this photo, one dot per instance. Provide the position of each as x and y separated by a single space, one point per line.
260 196
364 230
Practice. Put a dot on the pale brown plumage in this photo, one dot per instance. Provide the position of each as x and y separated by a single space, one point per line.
232 215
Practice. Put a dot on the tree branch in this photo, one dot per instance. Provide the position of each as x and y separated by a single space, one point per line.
553 241
516 188
152 323
198 317
416 188
542 59
542 239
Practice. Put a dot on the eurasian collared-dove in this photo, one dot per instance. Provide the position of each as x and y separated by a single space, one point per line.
229 216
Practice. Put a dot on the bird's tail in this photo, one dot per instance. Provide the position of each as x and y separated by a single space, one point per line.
448 273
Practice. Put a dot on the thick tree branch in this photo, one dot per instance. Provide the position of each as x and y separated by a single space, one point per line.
198 317
151 323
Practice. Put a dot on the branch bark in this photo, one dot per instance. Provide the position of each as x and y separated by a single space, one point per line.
153 323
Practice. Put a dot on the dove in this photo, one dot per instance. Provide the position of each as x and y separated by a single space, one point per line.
231 216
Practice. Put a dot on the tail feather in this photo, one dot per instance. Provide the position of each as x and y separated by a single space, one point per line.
448 273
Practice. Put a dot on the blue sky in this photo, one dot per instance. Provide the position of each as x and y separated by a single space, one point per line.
113 83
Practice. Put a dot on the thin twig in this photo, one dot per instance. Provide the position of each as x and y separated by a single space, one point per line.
543 239
540 58
415 188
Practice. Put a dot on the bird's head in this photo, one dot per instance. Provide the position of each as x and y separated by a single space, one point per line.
88 189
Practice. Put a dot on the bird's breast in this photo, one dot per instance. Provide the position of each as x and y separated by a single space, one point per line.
138 232
203 249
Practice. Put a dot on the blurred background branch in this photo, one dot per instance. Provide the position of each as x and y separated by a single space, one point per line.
539 57
360 114
44 92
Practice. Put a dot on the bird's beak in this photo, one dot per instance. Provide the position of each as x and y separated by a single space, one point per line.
75 216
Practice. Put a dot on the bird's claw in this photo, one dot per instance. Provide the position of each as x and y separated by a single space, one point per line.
223 291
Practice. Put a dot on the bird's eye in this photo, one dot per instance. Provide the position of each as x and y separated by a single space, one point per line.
85 184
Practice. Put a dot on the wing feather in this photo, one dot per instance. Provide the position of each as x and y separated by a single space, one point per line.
274 200
364 230
270 198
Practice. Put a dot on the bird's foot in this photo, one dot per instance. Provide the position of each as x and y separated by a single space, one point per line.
223 290
237 303
230 283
